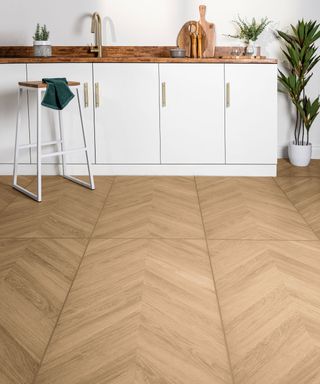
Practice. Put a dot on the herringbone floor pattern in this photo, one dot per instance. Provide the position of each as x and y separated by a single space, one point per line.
35 276
151 207
148 310
162 280
270 306
68 211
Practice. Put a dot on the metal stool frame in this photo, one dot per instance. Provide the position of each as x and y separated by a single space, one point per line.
38 196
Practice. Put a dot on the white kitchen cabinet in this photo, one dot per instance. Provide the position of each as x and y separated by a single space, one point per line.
10 75
81 72
127 113
192 113
251 113
150 118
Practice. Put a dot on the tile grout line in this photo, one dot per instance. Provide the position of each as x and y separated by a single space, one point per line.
294 206
71 285
215 286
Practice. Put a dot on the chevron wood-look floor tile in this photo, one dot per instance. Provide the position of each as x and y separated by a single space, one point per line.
140 311
249 208
270 304
304 193
151 207
68 211
286 169
35 276
7 193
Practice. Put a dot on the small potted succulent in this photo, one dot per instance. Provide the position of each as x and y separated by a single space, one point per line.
249 32
301 53
41 43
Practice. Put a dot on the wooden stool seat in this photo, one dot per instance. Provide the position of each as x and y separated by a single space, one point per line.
40 84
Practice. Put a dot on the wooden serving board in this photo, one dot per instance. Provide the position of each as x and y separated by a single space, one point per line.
184 39
210 32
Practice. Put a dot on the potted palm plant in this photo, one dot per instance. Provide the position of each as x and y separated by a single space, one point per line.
249 32
41 43
301 57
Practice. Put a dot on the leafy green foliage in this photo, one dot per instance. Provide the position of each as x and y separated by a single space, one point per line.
309 111
250 31
293 85
301 53
41 33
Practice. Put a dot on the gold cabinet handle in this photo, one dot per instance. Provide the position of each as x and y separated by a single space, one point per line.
164 94
86 94
228 95
97 94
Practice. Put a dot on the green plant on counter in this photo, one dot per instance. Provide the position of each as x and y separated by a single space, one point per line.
250 31
301 53
41 33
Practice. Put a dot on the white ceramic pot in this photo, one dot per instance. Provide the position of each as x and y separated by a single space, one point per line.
300 155
42 48
250 48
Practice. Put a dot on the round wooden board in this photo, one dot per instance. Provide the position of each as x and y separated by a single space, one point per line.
184 40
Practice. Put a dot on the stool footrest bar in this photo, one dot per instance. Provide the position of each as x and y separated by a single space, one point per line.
63 152
27 146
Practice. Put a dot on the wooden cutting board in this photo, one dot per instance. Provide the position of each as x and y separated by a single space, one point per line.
184 39
210 32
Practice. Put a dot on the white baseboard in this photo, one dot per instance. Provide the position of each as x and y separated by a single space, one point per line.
283 152
149 170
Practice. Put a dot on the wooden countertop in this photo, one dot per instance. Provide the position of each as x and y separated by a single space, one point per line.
120 54
61 59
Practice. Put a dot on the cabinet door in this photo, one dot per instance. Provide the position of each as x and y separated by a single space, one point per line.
251 113
10 75
127 114
72 128
192 113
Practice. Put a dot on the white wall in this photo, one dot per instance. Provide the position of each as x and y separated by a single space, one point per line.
154 22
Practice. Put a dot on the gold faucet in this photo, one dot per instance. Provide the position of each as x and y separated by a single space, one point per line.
97 30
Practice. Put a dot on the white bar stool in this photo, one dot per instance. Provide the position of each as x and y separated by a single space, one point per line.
40 88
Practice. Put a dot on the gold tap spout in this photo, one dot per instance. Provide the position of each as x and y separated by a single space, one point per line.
96 28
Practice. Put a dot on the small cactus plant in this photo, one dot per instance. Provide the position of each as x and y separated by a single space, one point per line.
41 44
41 33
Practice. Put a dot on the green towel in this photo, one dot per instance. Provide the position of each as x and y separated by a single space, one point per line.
58 94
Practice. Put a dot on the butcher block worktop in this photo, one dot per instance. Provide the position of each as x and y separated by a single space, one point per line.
119 54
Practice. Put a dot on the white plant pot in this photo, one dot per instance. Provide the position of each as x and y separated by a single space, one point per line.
300 155
251 48
42 48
